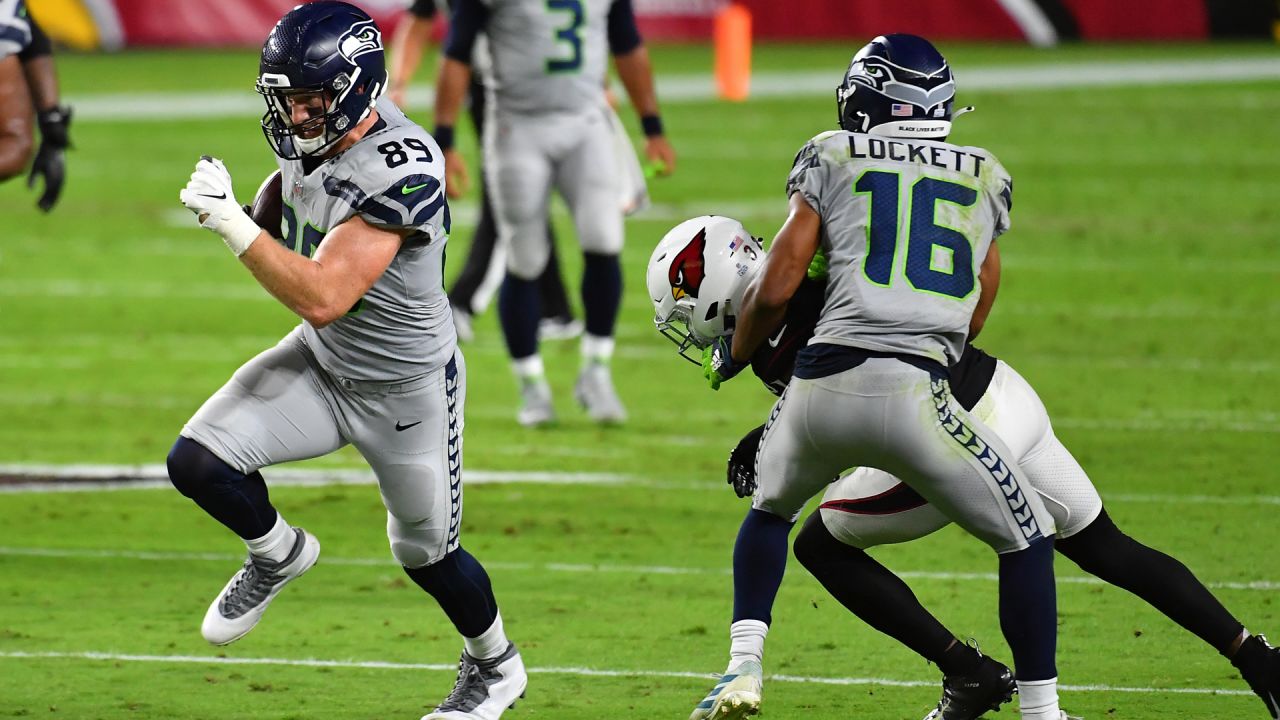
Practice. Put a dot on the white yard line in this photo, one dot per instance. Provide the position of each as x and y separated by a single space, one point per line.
578 671
576 568
673 89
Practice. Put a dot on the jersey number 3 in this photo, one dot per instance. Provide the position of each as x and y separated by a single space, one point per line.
569 35
939 258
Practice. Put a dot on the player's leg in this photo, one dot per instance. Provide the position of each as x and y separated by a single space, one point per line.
519 177
789 474
867 508
558 322
959 466
16 141
271 411
481 273
419 471
586 176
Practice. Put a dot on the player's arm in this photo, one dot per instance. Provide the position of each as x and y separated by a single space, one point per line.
764 304
631 59
989 277
15 118
469 18
319 289
411 39
54 120
323 288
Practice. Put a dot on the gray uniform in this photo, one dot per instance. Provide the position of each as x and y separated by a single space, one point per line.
548 126
906 226
387 377
15 30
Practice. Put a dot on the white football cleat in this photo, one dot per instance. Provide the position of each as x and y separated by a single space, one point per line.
242 602
594 391
535 403
737 694
484 688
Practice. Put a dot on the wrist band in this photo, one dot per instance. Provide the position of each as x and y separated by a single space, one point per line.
652 125
444 136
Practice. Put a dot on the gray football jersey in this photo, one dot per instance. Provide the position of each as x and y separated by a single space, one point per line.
15 30
547 55
906 225
392 178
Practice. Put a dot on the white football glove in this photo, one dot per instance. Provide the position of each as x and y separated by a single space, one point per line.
208 194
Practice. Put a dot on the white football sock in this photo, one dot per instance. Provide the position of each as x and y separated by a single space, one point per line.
1038 699
528 368
746 641
491 643
276 544
596 349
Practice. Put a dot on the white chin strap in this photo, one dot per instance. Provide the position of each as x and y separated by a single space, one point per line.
310 145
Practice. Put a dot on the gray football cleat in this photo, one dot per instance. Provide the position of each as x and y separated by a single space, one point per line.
462 324
594 391
559 328
535 403
736 695
245 597
484 688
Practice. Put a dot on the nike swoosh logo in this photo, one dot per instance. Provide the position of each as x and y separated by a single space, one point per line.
777 338
410 189
223 196
402 428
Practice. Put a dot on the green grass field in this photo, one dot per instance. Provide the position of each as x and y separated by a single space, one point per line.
1140 297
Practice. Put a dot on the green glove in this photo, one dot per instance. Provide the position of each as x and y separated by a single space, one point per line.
818 267
718 365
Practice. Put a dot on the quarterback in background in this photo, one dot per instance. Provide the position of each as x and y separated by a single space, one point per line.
548 127
374 363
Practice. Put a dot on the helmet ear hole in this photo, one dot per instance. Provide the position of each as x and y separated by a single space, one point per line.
712 309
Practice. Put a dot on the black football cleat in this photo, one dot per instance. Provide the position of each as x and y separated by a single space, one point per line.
1259 665
967 697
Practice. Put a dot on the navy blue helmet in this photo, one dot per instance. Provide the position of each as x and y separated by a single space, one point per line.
322 69
897 85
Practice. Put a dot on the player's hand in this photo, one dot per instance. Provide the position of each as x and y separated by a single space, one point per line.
208 194
718 365
817 266
50 163
742 463
456 182
659 154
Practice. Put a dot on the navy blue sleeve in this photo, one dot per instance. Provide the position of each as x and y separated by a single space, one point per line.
624 36
425 9
469 18
39 45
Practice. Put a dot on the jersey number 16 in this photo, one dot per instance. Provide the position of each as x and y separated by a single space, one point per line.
939 258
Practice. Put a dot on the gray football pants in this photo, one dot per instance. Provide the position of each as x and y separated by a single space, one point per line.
895 417
282 406
527 156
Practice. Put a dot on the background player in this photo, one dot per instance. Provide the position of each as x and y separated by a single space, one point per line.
548 128
374 362
481 273
868 507
870 388
29 85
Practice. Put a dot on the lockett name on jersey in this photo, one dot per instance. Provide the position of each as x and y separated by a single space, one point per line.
947 158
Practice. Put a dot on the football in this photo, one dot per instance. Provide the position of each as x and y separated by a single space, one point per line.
267 205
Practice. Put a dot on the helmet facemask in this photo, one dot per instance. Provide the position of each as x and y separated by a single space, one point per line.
308 121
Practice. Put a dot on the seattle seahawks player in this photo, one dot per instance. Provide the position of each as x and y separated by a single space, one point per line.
910 278
29 85
549 128
375 361
867 507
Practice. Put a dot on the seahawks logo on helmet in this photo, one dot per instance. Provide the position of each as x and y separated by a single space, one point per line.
688 267
903 84
363 37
